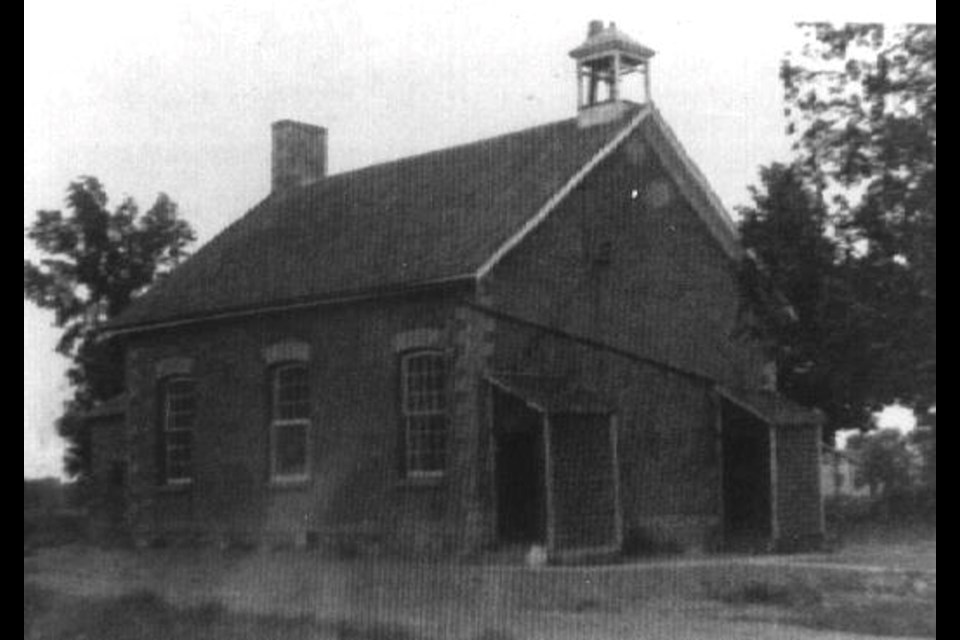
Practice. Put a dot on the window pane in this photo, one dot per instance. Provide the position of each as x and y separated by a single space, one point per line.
180 439
426 443
291 393
180 387
179 462
180 409
178 471
424 404
290 449
424 383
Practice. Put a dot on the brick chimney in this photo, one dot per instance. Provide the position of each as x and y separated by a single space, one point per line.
299 154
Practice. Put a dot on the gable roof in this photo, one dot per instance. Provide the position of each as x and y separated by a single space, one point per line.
771 407
441 217
550 394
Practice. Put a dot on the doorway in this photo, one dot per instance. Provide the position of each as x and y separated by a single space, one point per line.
747 503
520 480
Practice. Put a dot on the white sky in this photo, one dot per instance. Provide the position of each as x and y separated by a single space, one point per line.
178 96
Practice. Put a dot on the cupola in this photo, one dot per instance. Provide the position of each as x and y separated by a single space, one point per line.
612 71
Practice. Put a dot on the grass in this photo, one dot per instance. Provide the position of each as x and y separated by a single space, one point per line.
51 529
768 593
835 611
878 617
439 603
146 616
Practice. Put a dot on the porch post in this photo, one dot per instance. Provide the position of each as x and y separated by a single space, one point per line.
774 486
721 466
823 515
617 505
548 471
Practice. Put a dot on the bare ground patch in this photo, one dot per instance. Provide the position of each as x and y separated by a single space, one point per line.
875 614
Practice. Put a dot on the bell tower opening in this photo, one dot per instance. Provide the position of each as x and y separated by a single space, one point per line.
612 71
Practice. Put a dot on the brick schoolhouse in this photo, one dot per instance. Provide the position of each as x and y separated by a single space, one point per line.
537 338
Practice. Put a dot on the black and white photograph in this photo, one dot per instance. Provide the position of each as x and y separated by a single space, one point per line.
449 320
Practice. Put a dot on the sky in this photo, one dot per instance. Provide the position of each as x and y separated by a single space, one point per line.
178 96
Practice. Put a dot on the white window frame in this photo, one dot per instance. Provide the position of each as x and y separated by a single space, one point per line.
277 423
412 457
170 427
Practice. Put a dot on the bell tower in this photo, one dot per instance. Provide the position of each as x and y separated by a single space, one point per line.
612 71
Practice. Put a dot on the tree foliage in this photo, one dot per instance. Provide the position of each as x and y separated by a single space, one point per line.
95 262
847 229
885 461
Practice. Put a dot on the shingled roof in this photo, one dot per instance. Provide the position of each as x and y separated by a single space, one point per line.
421 219
434 218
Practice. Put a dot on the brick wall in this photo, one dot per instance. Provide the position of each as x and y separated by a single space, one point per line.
626 262
798 500
667 443
108 470
355 491
583 486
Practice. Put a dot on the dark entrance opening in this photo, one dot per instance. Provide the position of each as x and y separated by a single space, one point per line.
746 479
521 490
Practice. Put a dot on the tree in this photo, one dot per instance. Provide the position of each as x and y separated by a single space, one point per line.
885 461
848 228
821 350
96 261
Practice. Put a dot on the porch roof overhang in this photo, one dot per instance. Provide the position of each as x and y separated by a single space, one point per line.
550 395
771 407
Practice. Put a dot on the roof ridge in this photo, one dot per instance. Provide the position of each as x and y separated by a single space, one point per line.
440 150
451 187
630 122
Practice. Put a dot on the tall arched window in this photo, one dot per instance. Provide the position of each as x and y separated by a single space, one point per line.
178 421
423 406
289 422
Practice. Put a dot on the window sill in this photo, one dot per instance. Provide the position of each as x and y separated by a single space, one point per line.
422 482
180 486
282 484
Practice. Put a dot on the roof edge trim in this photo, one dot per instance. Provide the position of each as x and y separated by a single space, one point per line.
337 298
815 417
554 200
507 389
726 231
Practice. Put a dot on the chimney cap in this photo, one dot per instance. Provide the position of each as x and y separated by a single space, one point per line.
287 123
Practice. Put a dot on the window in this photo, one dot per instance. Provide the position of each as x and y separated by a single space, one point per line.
603 253
423 407
179 417
118 474
289 422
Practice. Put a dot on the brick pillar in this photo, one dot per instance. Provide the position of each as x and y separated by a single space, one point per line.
473 345
141 448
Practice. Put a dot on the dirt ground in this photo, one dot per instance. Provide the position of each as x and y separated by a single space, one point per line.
688 598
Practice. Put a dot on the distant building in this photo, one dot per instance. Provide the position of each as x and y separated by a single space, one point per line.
533 339
838 473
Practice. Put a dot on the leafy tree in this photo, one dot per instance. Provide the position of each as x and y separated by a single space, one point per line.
885 461
847 230
822 354
96 261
